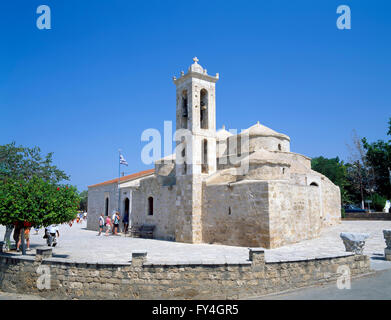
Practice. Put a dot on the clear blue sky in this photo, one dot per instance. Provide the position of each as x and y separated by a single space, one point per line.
103 74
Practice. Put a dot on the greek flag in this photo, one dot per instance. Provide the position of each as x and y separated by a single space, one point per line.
122 160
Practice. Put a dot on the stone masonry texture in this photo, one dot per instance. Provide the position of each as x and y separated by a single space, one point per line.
142 280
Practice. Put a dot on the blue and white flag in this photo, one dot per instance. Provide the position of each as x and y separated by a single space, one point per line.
122 160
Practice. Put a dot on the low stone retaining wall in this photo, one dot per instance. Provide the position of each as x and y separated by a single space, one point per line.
367 216
142 280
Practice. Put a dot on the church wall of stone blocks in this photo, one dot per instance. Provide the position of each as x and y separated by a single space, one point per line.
244 189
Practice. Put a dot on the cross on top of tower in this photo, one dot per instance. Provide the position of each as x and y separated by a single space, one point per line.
195 67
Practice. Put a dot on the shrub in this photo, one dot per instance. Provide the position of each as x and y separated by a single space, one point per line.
378 202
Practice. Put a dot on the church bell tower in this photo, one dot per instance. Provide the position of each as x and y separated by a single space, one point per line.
196 147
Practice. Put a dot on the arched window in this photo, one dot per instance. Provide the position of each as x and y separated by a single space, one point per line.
184 109
314 184
279 147
205 156
150 206
204 109
107 207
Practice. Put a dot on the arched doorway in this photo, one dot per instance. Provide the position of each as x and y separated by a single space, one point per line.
126 215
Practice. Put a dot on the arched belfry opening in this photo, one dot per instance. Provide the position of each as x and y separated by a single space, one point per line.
204 151
204 109
184 109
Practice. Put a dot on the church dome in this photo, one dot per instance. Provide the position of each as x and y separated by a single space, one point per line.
260 130
223 134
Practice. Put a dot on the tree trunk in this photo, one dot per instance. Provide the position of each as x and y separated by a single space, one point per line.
7 237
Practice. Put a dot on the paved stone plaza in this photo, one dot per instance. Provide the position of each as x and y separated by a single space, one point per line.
78 244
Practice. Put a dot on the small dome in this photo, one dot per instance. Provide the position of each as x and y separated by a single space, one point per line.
223 134
263 131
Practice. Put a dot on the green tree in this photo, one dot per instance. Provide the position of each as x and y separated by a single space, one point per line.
37 202
30 191
25 163
84 200
335 170
378 155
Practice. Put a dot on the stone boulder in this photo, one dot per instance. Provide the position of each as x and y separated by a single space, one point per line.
354 242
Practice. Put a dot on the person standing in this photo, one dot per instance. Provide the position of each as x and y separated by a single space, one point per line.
101 224
125 221
116 223
27 238
108 224
112 221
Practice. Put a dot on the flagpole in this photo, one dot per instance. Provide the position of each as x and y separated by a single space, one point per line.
119 177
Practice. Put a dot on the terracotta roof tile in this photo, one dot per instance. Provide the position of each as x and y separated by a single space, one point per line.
125 178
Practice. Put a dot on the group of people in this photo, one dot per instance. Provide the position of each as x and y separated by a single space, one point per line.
50 234
79 218
18 237
112 224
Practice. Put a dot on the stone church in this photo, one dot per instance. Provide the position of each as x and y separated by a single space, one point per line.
243 189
